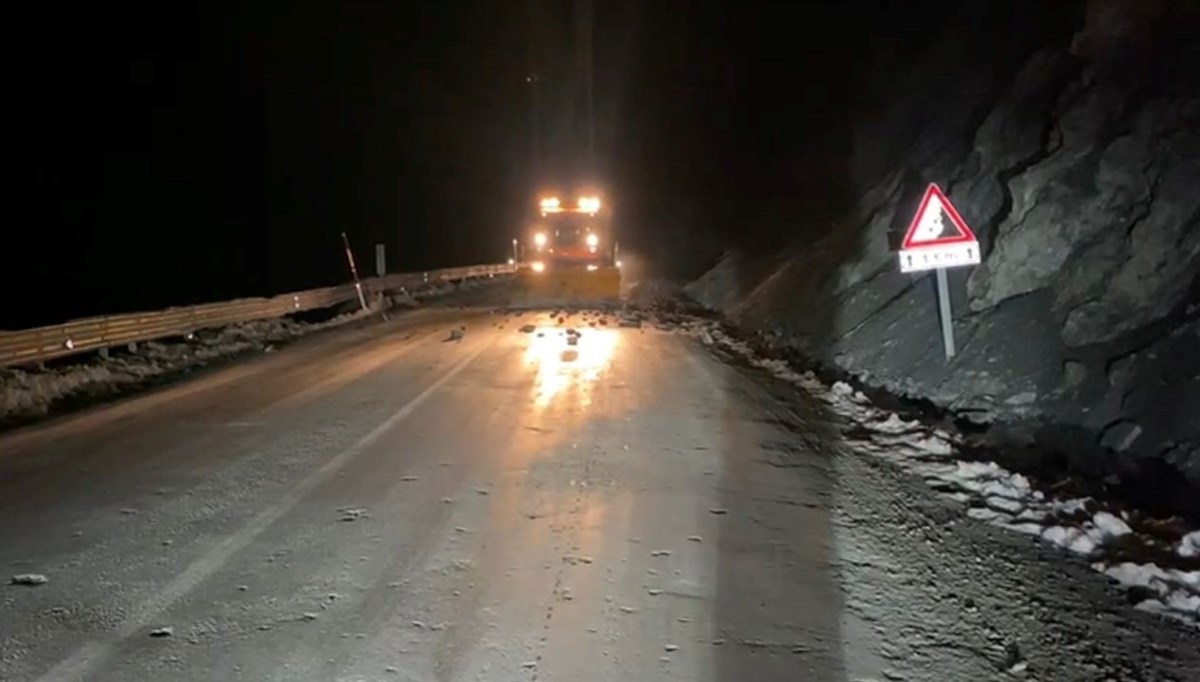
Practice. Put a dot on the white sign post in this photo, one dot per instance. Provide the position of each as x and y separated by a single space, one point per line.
938 238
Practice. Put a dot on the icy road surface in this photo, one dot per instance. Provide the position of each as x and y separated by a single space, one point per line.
402 502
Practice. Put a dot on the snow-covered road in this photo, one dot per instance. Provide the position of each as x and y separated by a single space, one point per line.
402 502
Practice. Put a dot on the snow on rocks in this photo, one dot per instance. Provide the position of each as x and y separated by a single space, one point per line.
1109 526
1189 546
991 493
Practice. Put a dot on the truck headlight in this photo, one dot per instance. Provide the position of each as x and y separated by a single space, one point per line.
593 240
538 266
540 239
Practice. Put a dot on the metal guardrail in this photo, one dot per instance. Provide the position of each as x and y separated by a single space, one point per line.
95 333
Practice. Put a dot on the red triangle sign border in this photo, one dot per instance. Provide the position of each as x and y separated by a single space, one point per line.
964 233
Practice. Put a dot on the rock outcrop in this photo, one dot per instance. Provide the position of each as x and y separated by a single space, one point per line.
1071 144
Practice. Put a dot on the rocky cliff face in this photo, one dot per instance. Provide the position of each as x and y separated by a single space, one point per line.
1070 142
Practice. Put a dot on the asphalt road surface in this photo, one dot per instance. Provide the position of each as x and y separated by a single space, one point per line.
386 504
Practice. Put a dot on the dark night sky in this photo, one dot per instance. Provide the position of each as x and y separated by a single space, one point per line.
173 153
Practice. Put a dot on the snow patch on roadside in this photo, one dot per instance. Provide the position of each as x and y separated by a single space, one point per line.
1189 546
31 393
26 393
990 492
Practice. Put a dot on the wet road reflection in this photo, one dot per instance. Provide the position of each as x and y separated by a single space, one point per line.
561 366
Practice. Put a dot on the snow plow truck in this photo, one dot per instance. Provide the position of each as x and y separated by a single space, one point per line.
569 253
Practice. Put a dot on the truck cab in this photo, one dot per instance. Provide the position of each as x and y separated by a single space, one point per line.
574 234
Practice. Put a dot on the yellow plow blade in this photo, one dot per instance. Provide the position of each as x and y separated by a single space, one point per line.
573 285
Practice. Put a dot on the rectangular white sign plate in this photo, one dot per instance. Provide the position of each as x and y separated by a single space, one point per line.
945 256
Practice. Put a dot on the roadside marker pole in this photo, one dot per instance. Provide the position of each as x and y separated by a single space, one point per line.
380 260
362 300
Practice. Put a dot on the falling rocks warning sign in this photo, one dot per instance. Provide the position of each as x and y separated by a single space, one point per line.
938 237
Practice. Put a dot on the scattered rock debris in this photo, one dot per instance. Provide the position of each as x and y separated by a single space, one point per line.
352 514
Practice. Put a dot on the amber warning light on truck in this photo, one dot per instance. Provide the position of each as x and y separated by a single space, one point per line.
589 205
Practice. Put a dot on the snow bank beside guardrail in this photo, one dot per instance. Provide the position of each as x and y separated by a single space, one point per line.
27 394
